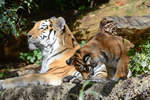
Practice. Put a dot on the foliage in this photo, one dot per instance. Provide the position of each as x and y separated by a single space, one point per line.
81 95
85 85
32 56
12 21
13 13
82 43
3 75
140 61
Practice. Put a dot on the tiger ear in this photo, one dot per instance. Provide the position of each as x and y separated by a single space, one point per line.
60 23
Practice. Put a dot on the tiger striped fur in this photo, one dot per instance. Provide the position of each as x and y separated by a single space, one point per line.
104 48
53 37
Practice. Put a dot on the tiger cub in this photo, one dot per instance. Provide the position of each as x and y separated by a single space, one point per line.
103 48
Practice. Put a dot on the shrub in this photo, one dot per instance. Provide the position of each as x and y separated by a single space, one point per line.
12 21
32 56
140 61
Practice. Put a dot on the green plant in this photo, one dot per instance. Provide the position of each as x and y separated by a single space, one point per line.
12 21
3 75
82 91
140 61
82 43
32 56
81 95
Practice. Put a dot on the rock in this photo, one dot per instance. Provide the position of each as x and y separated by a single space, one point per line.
135 88
131 25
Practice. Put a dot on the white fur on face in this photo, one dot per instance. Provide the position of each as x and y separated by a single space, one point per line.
49 41
47 38
44 38
44 24
49 44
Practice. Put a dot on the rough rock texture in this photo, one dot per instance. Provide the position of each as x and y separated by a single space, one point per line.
129 25
137 88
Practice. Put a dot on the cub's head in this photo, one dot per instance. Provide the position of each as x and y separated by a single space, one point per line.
45 33
82 62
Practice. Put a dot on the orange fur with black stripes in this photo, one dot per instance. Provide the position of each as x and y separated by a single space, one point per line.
103 48
57 44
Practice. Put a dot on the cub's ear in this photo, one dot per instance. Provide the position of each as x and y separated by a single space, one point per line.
69 61
60 23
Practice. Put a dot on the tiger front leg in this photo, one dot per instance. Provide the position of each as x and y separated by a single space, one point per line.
35 79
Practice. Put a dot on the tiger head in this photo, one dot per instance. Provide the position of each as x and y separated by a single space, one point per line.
82 62
49 35
53 37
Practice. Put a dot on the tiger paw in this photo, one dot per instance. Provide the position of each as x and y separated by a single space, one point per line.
71 79
76 81
68 78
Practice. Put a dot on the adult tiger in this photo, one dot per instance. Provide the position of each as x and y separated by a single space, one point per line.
104 48
57 44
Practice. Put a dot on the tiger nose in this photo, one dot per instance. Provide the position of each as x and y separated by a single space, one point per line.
29 35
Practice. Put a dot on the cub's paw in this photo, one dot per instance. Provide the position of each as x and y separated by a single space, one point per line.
71 79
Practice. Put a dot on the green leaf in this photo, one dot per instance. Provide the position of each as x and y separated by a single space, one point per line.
32 59
89 0
2 75
29 57
82 43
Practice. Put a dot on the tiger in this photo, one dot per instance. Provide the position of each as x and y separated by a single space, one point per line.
104 48
57 44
